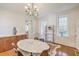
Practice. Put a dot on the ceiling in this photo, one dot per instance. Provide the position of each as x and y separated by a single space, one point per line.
44 8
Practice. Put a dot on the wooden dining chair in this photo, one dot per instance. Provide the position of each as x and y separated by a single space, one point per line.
16 50
20 52
53 48
24 53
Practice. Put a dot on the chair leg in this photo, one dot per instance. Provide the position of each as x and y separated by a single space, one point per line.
44 53
19 53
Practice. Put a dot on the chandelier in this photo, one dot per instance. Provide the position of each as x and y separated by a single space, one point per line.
31 9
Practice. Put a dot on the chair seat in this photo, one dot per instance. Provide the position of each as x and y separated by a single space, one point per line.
24 52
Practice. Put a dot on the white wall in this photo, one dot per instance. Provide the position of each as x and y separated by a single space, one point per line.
8 20
50 20
73 22
73 17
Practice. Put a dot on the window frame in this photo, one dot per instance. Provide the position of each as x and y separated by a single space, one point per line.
58 34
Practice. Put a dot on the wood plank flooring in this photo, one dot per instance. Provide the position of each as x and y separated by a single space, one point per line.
65 51
69 51
8 53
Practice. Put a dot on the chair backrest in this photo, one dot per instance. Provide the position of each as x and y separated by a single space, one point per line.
53 49
16 50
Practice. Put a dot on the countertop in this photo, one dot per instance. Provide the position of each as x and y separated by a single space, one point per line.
11 35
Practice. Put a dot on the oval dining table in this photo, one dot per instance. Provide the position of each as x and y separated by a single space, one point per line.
32 46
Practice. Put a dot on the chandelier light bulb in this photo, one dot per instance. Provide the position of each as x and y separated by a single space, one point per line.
29 4
30 12
25 7
35 7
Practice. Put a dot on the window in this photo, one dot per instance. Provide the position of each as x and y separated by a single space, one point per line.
26 28
43 25
62 26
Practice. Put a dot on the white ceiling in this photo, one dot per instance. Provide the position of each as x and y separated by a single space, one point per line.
44 8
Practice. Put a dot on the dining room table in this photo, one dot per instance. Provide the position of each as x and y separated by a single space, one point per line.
35 47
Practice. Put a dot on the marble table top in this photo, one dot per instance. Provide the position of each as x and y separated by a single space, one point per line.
31 45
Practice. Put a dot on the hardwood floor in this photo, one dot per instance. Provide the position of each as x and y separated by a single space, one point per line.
8 53
63 51
70 51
